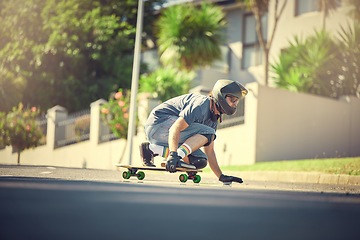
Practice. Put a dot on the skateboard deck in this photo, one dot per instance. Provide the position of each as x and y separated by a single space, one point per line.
134 171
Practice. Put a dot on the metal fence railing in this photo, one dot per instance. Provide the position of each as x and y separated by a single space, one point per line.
74 129
42 123
105 133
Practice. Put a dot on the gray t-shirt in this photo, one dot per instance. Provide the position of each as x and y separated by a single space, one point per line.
192 107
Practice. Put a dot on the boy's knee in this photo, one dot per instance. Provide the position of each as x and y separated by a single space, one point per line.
199 163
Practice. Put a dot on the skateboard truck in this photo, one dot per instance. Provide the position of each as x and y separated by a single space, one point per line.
133 172
190 175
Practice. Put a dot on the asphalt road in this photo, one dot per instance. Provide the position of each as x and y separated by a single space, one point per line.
54 203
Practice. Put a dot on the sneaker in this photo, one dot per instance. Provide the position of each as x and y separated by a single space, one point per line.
147 155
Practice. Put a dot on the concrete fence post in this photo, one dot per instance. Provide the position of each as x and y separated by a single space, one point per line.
95 120
145 105
54 115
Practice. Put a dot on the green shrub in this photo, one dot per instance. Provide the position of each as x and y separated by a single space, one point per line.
20 129
115 113
166 83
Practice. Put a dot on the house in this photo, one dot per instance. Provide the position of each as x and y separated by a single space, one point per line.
242 56
275 124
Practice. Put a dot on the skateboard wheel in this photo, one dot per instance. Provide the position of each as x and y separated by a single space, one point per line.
196 179
126 174
183 178
141 175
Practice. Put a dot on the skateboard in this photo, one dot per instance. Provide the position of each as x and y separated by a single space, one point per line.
134 171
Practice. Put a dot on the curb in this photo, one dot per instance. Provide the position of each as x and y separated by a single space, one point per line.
300 177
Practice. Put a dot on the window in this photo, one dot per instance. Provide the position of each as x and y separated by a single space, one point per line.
252 52
224 63
305 6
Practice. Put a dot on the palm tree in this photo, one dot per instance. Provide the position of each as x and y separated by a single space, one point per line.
326 6
312 66
355 9
349 80
259 8
190 36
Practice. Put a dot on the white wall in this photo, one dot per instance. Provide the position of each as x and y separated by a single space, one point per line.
237 145
354 125
300 126
301 26
283 125
86 154
278 125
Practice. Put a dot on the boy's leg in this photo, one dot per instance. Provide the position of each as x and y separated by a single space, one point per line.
198 162
147 155
197 158
191 145
191 139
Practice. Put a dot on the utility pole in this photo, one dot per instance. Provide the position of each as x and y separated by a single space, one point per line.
135 79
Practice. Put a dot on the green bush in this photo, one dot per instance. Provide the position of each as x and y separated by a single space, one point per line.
115 113
20 129
4 138
166 83
190 36
321 64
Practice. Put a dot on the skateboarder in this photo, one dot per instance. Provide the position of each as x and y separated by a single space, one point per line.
179 127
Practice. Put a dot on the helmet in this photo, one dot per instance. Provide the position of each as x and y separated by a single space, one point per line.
224 87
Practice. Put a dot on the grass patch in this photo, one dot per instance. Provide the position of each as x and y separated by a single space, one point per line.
349 166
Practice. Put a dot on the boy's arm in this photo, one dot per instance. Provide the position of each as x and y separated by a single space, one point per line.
213 163
210 152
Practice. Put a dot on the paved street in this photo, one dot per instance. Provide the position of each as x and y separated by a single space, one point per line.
61 203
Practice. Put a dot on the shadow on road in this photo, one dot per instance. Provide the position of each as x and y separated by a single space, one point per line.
48 208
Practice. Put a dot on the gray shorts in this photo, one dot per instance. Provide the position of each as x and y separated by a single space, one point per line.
159 133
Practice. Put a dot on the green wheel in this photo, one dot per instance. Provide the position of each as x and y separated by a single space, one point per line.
183 178
126 174
141 175
196 179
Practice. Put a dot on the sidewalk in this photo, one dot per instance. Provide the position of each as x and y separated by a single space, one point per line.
298 177
207 176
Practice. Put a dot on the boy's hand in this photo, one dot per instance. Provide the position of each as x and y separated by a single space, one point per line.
172 162
223 178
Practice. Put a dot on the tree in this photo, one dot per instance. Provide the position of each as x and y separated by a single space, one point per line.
309 65
190 37
115 113
166 83
20 129
20 29
87 54
4 139
288 74
11 89
326 6
321 65
355 9
69 52
349 78
259 8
